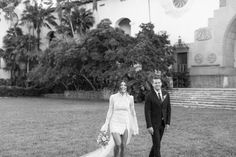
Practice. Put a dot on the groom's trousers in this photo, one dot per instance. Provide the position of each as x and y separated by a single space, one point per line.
156 140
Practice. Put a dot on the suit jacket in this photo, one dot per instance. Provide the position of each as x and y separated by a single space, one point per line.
155 109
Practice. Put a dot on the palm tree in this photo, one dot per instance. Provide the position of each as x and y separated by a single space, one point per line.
18 54
66 19
82 20
73 20
39 17
10 44
8 7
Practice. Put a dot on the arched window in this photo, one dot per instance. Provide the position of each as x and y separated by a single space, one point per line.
51 36
124 24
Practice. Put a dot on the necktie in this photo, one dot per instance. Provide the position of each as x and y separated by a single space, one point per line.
159 95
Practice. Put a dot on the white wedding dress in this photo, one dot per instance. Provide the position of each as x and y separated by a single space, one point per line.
121 115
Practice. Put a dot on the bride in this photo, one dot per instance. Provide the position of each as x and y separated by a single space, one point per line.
121 122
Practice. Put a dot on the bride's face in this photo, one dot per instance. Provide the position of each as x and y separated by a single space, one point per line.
123 87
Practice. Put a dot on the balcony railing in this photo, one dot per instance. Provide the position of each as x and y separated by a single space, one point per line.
182 68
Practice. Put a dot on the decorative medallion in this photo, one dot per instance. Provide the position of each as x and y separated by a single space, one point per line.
198 58
176 8
211 58
203 34
179 3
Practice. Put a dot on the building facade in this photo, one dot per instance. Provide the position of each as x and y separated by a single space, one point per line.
213 53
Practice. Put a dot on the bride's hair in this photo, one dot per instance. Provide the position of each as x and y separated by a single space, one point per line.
119 84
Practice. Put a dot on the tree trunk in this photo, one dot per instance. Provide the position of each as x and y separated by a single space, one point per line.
90 83
16 22
72 29
38 38
66 87
27 68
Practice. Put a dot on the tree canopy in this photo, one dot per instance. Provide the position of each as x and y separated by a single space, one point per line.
105 56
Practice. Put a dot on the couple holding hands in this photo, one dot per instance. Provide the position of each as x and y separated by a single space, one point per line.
121 121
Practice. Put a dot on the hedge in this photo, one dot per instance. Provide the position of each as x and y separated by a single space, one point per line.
8 91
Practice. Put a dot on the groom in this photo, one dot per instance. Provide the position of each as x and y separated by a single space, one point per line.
157 114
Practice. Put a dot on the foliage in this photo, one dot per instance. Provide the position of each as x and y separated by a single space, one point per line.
181 79
73 19
5 3
111 55
6 91
5 82
75 65
154 53
105 56
82 20
38 16
8 7
103 52
60 65
18 53
19 57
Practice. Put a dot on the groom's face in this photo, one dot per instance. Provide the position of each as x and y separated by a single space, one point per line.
156 83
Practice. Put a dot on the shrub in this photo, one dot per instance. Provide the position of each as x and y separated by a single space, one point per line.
8 91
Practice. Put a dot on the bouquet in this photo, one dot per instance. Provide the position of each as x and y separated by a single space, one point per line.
103 138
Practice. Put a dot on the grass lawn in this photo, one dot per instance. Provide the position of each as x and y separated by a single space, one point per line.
39 127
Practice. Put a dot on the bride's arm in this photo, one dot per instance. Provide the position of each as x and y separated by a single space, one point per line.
132 106
135 122
109 114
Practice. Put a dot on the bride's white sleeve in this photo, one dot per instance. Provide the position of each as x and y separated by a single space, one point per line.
134 118
109 114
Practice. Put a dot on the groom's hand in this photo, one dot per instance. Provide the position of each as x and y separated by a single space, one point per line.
150 130
167 127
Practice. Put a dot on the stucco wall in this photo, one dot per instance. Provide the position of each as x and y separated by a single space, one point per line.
218 26
213 58
138 12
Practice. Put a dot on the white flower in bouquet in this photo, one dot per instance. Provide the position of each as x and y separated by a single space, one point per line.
103 138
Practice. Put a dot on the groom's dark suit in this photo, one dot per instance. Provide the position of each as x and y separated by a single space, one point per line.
157 114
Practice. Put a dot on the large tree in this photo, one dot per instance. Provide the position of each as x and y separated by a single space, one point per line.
154 54
103 52
153 51
109 55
